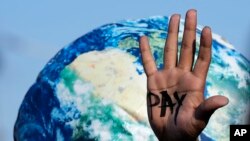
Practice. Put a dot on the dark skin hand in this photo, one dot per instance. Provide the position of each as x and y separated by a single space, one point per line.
178 76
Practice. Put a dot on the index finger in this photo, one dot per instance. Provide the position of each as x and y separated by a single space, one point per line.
147 58
204 57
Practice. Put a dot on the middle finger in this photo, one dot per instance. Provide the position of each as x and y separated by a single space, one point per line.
188 42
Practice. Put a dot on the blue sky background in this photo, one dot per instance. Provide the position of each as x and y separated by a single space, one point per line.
31 32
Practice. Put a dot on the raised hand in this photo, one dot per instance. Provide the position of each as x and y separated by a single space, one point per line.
176 106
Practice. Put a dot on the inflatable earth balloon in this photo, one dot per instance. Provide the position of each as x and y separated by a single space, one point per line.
95 88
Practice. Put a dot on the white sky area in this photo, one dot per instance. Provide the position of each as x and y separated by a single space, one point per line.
31 32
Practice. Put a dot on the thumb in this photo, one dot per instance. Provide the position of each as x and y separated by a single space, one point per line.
207 107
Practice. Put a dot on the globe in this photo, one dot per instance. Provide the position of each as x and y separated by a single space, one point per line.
95 87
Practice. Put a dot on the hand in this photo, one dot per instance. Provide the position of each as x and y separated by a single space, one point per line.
176 106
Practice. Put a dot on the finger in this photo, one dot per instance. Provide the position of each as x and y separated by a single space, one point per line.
207 108
202 64
170 50
147 58
188 42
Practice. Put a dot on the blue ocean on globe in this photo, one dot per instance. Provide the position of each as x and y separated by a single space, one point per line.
95 88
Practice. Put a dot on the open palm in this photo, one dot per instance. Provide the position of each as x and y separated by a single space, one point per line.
176 106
